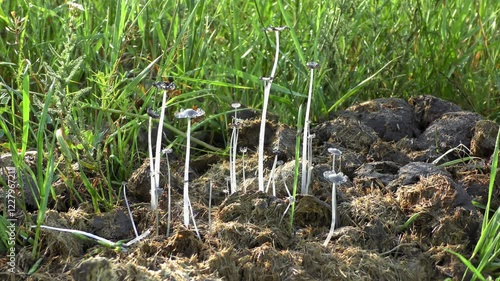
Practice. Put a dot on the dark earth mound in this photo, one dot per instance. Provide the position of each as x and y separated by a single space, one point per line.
393 154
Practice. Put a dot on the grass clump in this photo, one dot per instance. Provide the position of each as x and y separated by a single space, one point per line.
487 249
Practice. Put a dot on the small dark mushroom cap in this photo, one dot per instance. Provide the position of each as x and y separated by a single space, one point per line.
151 113
334 151
276 28
266 78
189 113
165 85
336 178
312 65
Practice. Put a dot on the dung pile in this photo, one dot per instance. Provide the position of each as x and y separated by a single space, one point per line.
397 214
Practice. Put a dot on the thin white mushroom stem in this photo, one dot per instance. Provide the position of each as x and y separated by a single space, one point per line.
151 166
335 179
334 214
243 151
235 145
305 160
188 114
124 184
262 137
304 188
232 154
267 90
105 241
271 177
156 167
153 177
231 171
309 160
309 174
194 221
186 175
101 240
291 199
154 193
169 189
333 163
210 205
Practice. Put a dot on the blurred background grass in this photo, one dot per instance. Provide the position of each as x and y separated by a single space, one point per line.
99 59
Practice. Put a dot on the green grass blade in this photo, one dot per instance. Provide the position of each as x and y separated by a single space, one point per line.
297 163
26 111
467 263
44 180
132 84
44 190
489 252
295 39
488 244
493 175
409 221
358 87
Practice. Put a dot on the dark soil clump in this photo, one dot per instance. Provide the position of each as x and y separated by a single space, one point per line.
393 155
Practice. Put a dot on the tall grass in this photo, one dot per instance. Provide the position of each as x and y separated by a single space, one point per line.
43 175
100 59
487 249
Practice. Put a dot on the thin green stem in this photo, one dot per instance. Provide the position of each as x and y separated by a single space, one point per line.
296 171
